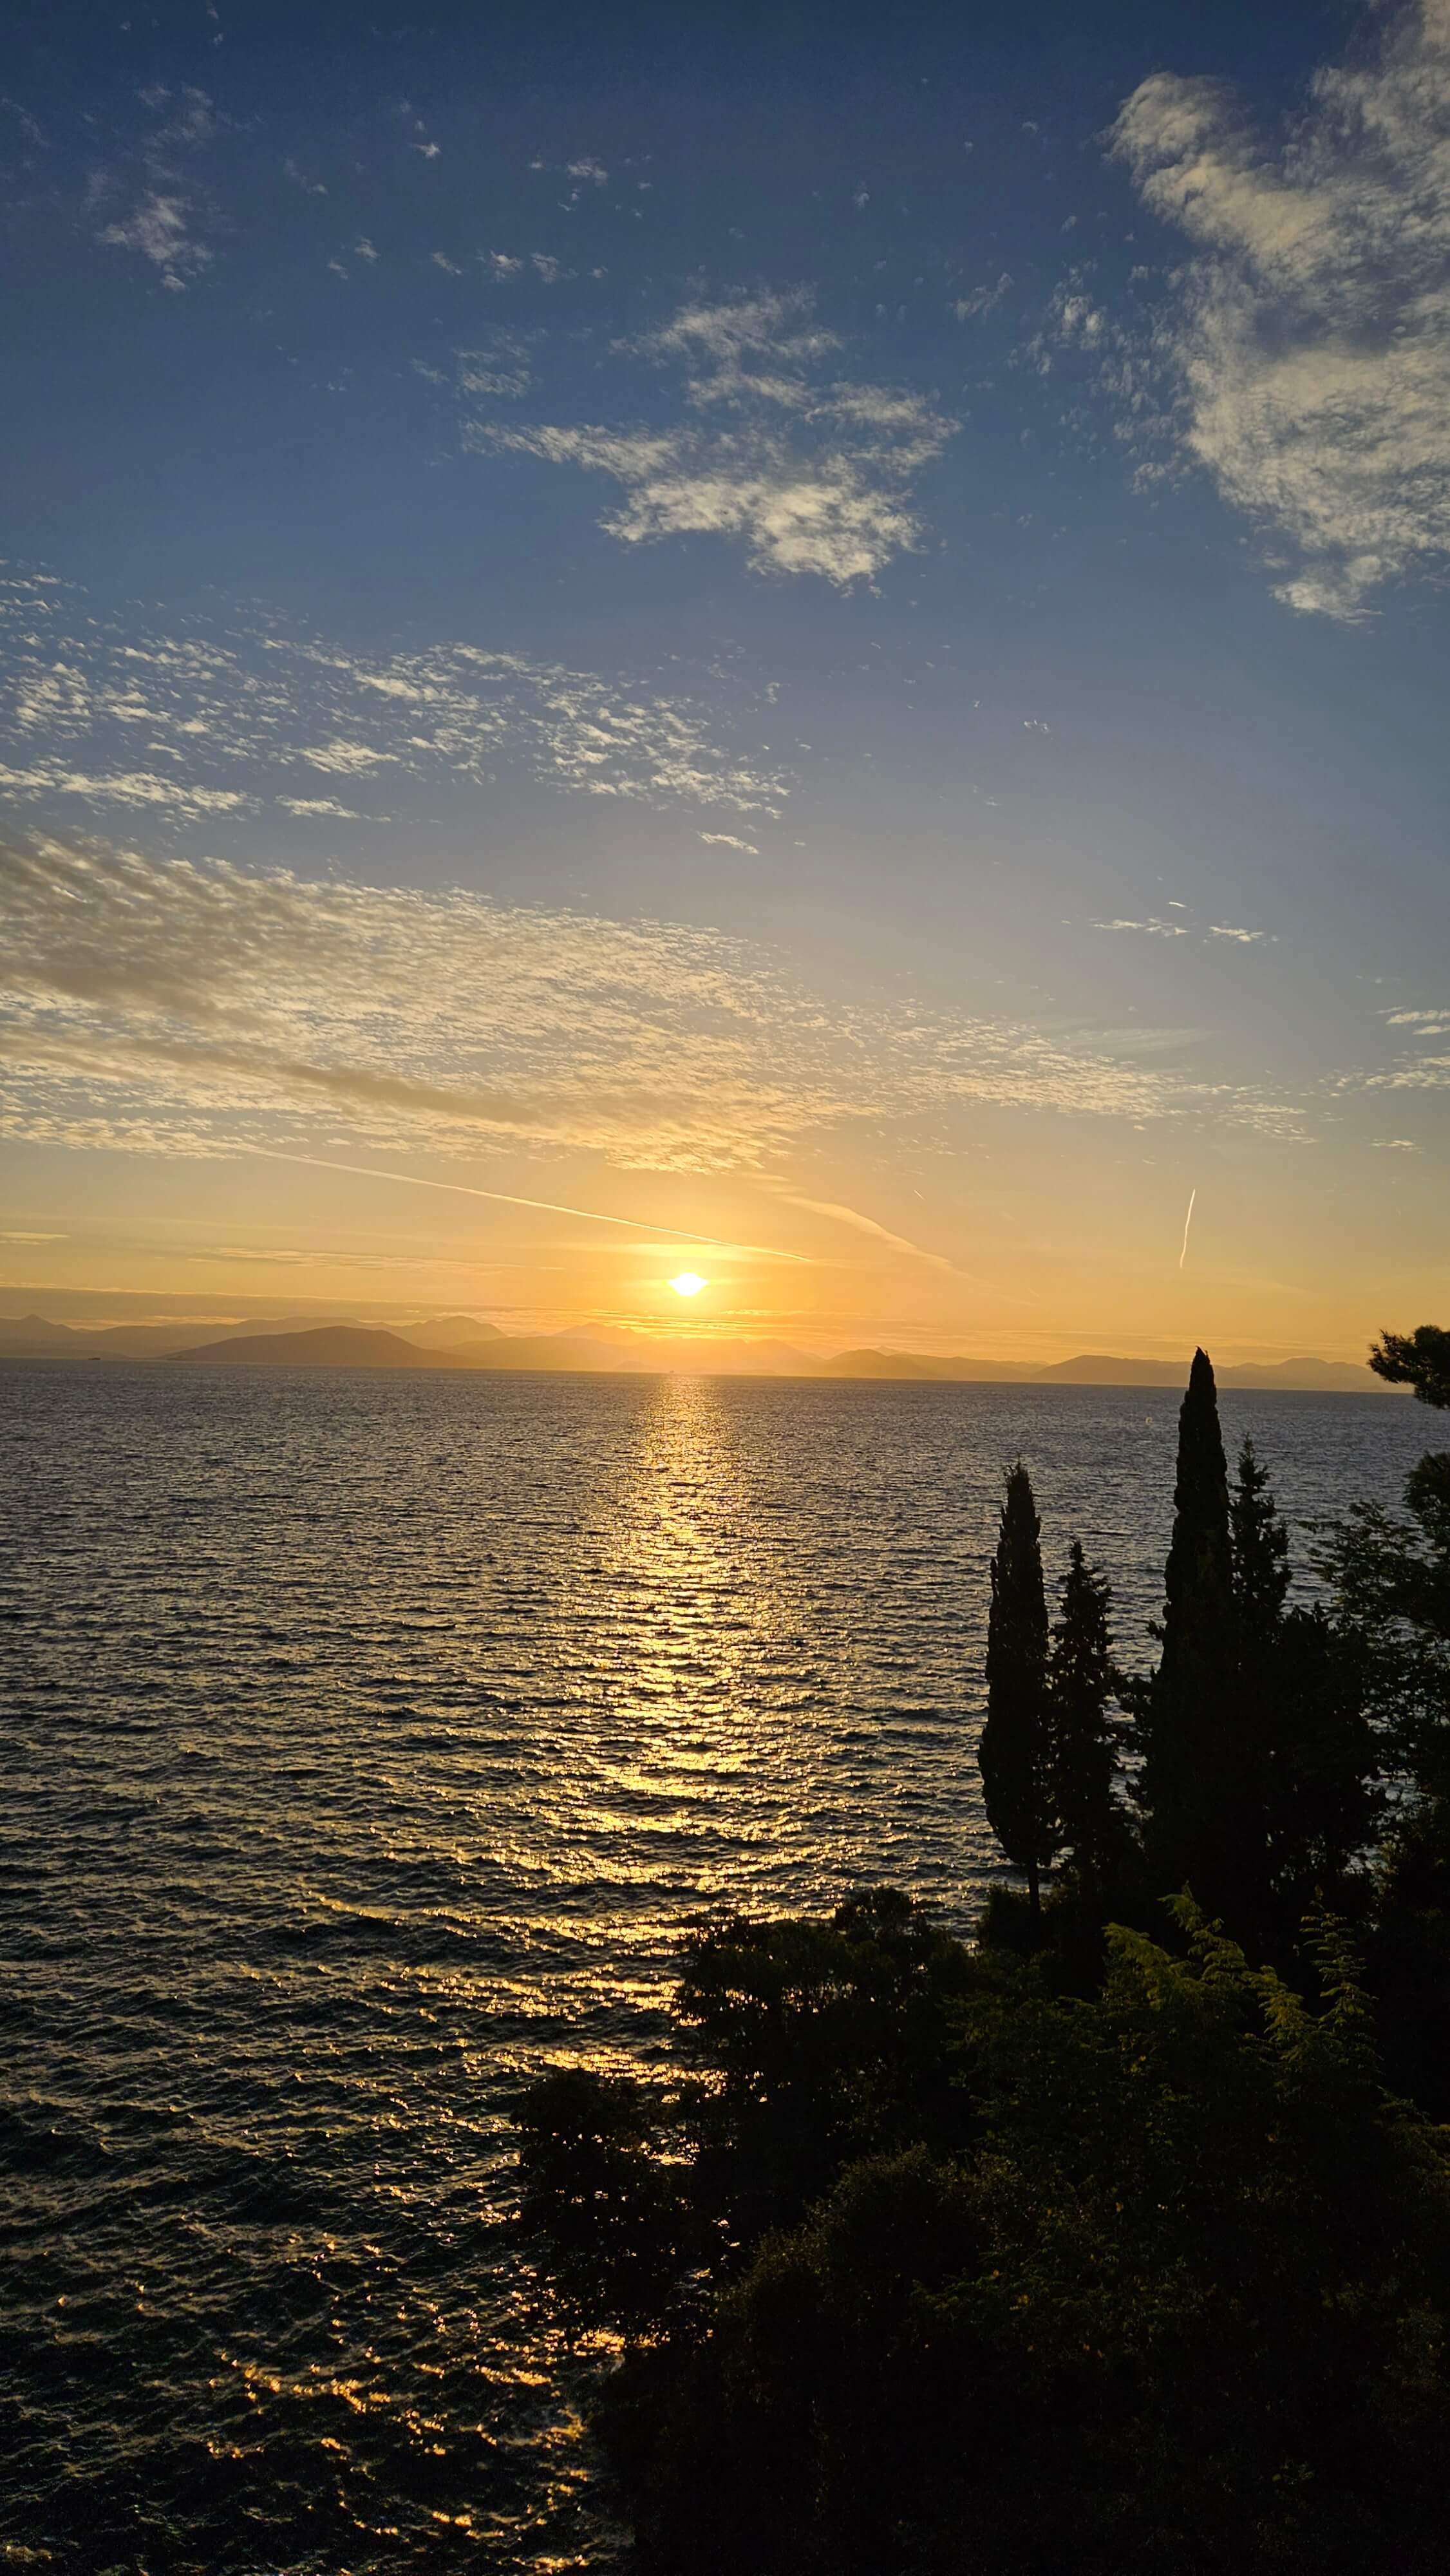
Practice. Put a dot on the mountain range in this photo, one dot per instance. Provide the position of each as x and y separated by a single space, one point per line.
466 1342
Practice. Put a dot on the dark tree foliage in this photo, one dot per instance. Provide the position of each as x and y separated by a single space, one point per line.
1080 1679
1259 1549
1390 1573
1191 1782
1308 1760
1072 2251
822 2042
1015 1747
1420 1359
1172 2296
1408 1954
1322 1795
622 2230
800 2046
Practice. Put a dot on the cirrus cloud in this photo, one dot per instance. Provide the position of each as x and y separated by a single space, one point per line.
159 1005
810 470
233 717
1306 341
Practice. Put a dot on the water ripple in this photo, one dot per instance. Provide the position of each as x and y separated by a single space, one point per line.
370 1743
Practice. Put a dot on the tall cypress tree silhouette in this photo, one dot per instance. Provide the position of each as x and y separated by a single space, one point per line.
1190 1782
1015 1749
1259 1702
1260 1542
1084 1744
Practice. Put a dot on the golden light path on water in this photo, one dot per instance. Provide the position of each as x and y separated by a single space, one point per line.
372 1740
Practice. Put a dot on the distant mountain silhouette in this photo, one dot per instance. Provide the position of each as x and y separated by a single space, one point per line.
903 1364
321 1346
447 1332
32 1337
1302 1377
467 1342
33 1333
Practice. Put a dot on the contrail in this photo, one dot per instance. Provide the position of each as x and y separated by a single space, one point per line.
1187 1222
507 1198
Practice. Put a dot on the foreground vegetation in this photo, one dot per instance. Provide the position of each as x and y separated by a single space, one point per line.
1119 2239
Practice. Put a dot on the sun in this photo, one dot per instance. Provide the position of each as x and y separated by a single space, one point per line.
688 1284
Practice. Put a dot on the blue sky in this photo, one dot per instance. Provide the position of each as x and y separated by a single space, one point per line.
826 627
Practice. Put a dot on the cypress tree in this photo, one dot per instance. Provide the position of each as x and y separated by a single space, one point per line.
1260 1548
1084 1747
1305 1752
1257 1728
1190 1784
1015 1748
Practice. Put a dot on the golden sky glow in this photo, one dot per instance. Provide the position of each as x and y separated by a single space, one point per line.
893 796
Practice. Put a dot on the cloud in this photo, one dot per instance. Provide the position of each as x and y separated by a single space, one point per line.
500 369
982 300
861 1224
232 717
1416 1072
811 471
1305 346
159 228
163 221
1227 930
1148 929
730 841
159 1005
137 787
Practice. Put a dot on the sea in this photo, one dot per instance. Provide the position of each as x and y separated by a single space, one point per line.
371 1742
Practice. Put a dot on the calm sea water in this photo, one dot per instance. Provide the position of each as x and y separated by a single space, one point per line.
369 1742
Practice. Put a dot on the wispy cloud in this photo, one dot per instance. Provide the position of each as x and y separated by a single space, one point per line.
1306 342
163 208
499 369
1429 1023
230 718
1152 929
982 300
812 471
162 1005
1417 1072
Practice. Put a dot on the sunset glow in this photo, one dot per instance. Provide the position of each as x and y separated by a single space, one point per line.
670 715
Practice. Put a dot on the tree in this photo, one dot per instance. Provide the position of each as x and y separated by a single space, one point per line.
1259 1545
1175 2297
1084 1744
1302 1750
1190 1785
1420 1359
1015 1748
1390 1573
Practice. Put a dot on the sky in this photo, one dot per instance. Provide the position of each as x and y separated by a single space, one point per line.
801 644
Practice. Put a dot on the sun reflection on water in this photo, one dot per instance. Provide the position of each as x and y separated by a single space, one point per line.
382 1741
